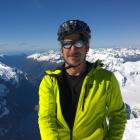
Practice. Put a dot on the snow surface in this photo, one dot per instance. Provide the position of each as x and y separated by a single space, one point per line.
125 63
9 74
132 131
46 56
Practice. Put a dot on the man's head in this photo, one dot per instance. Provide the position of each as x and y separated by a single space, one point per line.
74 36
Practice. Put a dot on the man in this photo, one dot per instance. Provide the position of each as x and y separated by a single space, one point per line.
76 99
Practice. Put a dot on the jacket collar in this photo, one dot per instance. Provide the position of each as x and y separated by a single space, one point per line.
59 70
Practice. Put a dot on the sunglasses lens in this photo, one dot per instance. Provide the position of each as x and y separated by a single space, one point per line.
79 43
76 43
66 44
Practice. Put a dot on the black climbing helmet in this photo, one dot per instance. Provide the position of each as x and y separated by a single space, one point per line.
74 26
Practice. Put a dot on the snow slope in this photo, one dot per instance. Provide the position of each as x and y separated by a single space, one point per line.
51 56
8 77
132 131
9 74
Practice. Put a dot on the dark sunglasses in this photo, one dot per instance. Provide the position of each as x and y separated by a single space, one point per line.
77 43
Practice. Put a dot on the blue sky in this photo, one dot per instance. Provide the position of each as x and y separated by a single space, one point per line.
32 24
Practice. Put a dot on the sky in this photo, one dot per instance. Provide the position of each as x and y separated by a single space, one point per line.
31 25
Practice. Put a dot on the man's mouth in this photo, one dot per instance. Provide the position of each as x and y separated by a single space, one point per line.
75 55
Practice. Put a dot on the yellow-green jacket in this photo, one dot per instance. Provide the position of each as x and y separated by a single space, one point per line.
100 98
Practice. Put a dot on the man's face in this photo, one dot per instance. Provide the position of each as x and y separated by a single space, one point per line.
73 55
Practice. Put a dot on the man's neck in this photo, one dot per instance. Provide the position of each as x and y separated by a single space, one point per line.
75 71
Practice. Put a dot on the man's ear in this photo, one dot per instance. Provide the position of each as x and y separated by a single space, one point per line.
61 51
87 48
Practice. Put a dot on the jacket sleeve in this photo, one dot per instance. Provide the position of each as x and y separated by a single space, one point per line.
116 111
47 110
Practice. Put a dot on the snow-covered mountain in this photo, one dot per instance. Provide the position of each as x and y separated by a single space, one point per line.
125 63
8 77
14 86
10 74
20 77
93 54
50 56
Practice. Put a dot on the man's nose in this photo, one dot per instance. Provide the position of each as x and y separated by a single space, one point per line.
73 47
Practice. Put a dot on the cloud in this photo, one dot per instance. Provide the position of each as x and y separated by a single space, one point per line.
23 44
19 47
35 46
3 44
27 46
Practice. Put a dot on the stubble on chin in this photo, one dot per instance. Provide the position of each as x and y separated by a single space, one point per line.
73 60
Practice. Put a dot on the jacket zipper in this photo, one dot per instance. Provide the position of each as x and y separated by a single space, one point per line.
70 134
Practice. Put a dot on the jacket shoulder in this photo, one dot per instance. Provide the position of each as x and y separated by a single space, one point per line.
53 72
103 74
